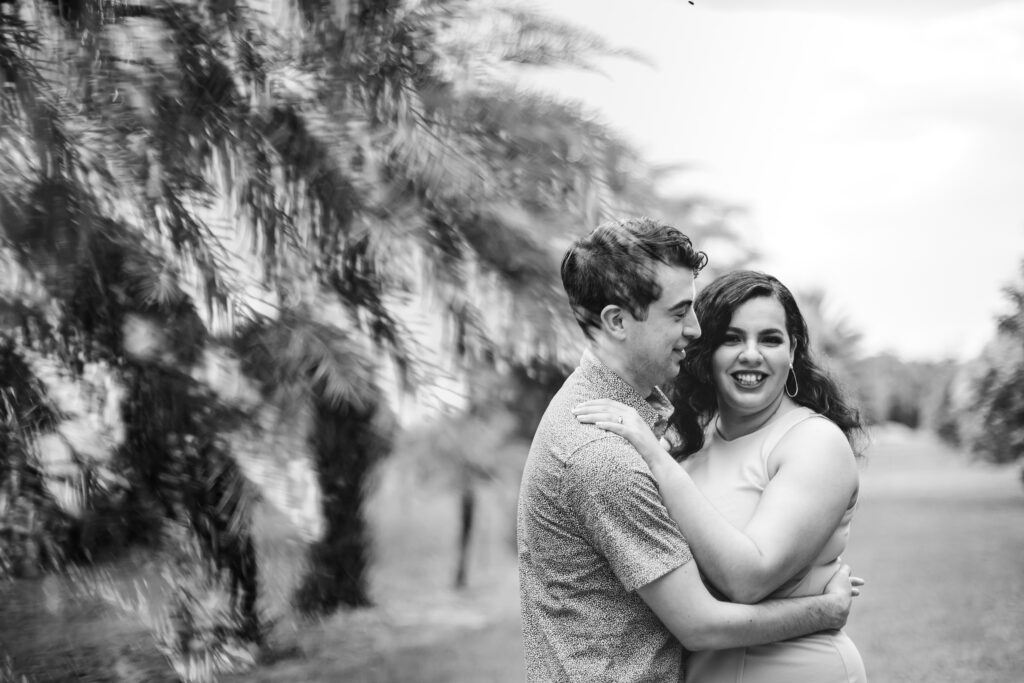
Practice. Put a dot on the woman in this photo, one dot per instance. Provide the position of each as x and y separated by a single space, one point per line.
767 493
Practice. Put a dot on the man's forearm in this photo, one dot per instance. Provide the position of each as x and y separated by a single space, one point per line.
736 625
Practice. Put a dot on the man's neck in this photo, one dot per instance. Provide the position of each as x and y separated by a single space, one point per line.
617 364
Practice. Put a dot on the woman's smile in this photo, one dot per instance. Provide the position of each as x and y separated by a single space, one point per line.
748 379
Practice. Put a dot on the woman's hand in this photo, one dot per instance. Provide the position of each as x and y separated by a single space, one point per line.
620 419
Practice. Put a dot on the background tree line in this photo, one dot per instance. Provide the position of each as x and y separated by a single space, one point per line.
975 404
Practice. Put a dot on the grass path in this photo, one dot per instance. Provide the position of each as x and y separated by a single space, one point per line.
940 542
941 545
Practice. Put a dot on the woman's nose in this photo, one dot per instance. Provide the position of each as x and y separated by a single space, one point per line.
750 353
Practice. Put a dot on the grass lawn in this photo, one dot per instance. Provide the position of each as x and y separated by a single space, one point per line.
941 546
939 541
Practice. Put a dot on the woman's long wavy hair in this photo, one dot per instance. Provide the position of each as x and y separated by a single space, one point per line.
693 392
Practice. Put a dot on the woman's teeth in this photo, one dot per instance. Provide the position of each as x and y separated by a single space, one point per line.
748 379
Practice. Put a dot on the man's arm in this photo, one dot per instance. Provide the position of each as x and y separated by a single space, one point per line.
701 622
621 512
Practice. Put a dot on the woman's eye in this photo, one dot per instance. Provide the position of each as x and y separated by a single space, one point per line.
731 339
774 341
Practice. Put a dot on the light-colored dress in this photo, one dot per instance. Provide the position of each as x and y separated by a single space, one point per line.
733 475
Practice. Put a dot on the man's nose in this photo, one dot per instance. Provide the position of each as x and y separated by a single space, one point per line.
691 328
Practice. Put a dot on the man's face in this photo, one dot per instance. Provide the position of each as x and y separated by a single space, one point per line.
657 344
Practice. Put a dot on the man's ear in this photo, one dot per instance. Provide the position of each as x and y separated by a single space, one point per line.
613 321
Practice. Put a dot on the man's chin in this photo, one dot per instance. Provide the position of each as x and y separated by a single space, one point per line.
670 375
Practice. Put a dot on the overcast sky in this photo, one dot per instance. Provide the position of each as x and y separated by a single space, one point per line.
878 145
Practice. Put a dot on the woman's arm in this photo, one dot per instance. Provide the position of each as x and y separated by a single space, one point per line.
814 477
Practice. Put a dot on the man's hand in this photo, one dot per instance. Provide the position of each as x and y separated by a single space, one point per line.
842 587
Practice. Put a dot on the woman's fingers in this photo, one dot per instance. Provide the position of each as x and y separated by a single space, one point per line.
599 417
611 422
584 409
596 402
602 403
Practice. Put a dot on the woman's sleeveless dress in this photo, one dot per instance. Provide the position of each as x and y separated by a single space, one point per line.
733 474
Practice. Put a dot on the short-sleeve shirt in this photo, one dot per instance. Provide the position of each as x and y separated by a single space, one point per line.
592 529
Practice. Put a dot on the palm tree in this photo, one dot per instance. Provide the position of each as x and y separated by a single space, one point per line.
289 180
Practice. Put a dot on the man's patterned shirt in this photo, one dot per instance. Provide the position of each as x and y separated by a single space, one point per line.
592 528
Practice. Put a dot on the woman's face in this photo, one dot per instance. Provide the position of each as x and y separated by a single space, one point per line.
751 365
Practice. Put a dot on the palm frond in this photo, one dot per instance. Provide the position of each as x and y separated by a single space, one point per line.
295 359
363 285
541 40
308 167
25 406
482 40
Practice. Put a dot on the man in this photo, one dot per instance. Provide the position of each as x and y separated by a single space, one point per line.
608 588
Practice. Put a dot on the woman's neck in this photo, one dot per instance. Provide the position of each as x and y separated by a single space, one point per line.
732 424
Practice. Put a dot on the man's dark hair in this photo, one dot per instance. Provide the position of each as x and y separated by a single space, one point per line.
613 265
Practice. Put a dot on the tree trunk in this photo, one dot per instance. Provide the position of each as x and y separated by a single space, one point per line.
467 508
347 445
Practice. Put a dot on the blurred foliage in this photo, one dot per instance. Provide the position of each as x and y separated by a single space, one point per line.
834 337
835 341
484 445
911 393
33 528
885 387
984 404
7 674
310 185
201 632
977 405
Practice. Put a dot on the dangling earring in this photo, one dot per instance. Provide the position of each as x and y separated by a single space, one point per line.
796 385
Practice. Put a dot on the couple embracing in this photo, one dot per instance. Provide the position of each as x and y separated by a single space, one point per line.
690 488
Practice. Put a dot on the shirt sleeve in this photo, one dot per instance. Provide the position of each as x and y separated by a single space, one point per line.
616 501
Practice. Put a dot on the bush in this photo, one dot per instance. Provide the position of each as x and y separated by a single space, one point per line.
202 633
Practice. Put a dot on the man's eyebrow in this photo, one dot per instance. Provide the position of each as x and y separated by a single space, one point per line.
681 305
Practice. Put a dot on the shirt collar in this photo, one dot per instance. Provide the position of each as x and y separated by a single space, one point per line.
654 409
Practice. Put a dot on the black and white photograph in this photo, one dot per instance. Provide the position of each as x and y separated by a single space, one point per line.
503 341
